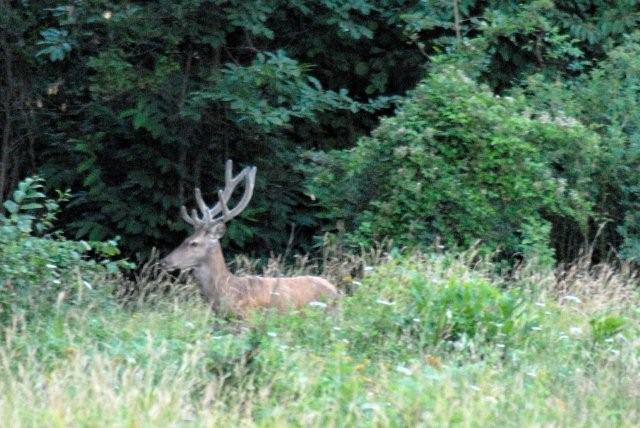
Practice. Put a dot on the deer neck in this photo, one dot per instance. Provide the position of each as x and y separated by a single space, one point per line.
213 275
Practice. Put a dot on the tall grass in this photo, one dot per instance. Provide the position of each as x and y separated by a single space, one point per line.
419 340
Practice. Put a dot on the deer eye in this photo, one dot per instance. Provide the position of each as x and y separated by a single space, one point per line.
193 243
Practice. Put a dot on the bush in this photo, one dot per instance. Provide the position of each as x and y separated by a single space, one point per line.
429 303
457 164
39 264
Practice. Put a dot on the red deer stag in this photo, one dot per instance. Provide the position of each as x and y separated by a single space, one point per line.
201 252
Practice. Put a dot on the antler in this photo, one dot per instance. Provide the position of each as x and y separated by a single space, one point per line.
211 216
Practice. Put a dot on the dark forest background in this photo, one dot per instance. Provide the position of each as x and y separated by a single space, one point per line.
428 122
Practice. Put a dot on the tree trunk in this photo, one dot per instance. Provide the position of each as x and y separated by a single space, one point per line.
6 94
456 20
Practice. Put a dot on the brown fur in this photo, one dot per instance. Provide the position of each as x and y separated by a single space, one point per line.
226 292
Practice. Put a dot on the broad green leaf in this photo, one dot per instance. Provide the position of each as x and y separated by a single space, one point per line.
11 206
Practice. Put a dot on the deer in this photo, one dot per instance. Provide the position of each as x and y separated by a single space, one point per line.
201 253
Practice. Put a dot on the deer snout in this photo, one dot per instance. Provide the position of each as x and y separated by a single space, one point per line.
175 261
166 264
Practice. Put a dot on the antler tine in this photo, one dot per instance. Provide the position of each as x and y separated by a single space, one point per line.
209 215
193 218
206 216
249 174
185 216
230 183
223 205
197 221
228 171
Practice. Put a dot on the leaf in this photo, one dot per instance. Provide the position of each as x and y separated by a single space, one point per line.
31 206
11 206
18 195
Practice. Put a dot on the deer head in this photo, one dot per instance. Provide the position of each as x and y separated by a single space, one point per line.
195 251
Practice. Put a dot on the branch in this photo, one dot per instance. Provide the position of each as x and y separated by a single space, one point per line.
456 19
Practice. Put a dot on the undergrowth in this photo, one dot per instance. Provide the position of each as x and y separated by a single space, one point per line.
422 340
415 340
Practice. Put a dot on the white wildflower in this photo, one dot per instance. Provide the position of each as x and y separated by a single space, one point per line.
571 298
371 406
317 304
404 370
575 331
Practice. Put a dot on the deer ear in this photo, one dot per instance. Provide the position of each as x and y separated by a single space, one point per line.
217 231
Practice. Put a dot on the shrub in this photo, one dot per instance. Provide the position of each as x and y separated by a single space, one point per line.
413 302
39 264
457 164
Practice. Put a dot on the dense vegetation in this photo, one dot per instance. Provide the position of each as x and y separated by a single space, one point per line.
489 170
131 104
421 340
465 171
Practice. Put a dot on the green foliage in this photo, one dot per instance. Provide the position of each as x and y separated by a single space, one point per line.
457 163
132 104
605 327
38 264
411 300
163 93
607 99
143 102
55 43
527 39
504 42
27 199
171 361
280 82
597 24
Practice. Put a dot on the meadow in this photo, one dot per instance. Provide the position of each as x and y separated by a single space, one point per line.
417 340
486 143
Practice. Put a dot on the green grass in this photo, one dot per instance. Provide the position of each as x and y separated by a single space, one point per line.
423 341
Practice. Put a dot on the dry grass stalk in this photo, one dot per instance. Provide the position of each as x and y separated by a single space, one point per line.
599 286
